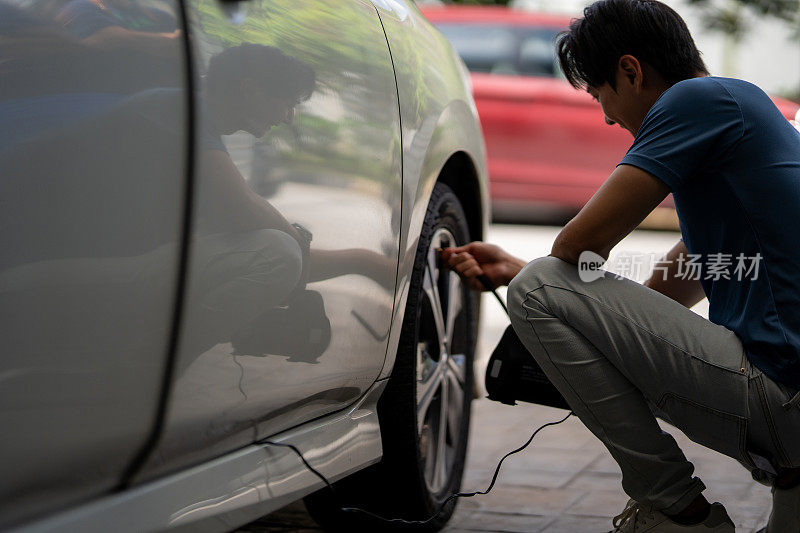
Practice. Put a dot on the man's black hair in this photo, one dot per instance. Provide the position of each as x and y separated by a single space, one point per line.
648 30
281 76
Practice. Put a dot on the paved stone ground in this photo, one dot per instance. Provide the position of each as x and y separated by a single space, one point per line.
565 482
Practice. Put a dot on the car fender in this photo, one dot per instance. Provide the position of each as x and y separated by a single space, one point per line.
439 119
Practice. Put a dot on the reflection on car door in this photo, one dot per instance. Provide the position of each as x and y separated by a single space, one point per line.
293 256
92 192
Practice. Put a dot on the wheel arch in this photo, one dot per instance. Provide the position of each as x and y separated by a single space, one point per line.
455 156
441 138
460 174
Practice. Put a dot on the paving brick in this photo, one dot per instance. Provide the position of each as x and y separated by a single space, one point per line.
578 524
587 481
528 500
526 477
604 464
291 519
727 492
552 459
599 503
751 512
499 522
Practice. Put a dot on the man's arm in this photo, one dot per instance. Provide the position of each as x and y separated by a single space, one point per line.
618 206
115 37
664 279
229 204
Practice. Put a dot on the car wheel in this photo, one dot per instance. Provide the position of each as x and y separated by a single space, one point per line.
425 410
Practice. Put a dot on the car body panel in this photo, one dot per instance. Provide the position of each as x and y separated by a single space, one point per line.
93 195
234 489
227 476
240 375
436 125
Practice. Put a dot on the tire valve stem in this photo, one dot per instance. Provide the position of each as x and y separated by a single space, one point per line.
443 243
488 285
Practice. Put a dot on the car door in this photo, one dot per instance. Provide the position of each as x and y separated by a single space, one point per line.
92 193
295 235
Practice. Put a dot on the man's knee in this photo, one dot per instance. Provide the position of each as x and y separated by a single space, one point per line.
539 272
279 261
266 264
526 294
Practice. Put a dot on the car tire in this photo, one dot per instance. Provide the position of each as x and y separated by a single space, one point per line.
425 410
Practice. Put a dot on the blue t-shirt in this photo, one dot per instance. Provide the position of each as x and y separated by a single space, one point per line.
732 162
84 18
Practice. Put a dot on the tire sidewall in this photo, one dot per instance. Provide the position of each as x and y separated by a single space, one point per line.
444 211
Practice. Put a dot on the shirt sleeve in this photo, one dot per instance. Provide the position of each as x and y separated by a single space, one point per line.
83 19
693 126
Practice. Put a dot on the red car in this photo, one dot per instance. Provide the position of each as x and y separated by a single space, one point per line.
548 145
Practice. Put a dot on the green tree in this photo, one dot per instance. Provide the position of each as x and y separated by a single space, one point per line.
727 16
723 15
481 2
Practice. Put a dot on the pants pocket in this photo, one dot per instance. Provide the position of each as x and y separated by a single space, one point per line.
791 414
718 430
779 419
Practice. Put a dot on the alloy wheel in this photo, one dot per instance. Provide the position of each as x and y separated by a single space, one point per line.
441 365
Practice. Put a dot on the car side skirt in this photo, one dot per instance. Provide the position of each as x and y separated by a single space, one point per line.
239 487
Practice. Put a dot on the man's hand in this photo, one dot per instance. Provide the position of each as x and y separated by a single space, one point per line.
478 258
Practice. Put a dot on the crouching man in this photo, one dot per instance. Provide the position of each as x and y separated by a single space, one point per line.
621 352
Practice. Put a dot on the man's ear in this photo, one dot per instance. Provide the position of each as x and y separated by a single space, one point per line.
631 71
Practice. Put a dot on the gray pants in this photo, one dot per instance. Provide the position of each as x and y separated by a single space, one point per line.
621 353
234 278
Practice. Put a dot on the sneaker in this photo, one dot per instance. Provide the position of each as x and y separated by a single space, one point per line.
636 519
785 515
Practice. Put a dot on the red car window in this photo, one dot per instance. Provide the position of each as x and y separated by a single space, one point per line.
504 49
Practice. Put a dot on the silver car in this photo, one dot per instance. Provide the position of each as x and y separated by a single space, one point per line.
219 232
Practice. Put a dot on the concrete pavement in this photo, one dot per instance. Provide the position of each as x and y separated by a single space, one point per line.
566 481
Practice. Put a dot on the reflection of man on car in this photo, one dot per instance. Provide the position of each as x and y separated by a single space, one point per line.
56 74
142 37
256 262
247 257
114 24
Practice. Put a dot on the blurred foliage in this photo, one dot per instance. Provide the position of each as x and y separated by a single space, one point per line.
314 32
345 46
481 2
728 16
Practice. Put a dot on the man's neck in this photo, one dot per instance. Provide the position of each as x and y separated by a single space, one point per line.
662 87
